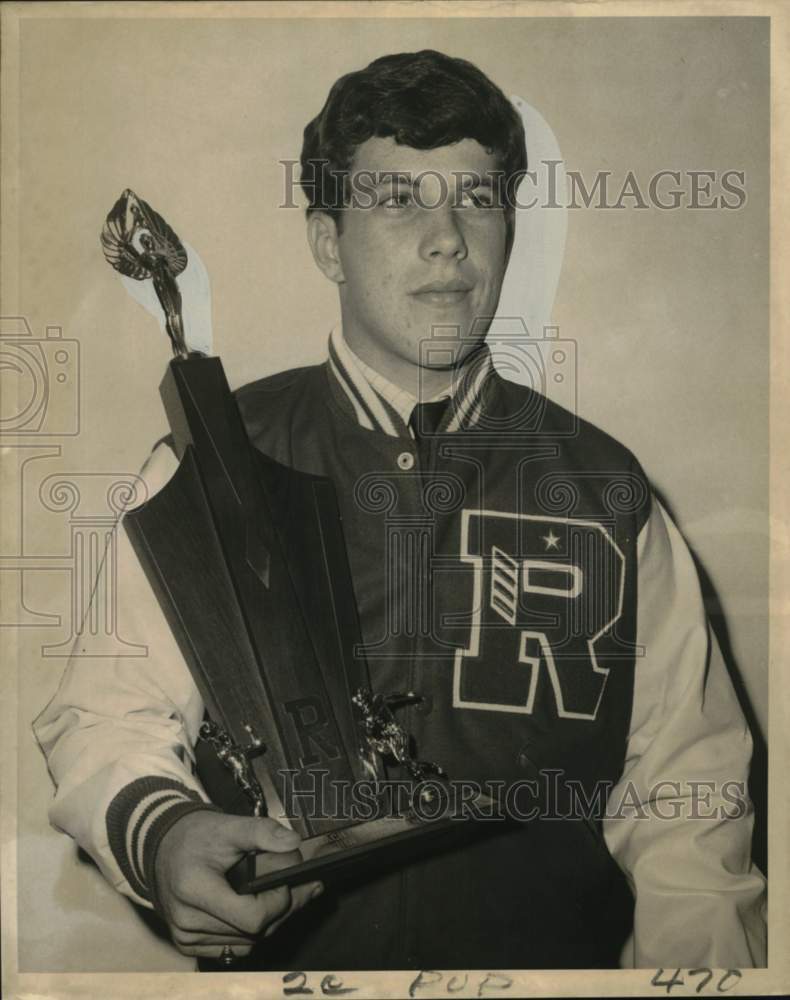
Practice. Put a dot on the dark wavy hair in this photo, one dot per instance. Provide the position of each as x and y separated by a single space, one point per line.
424 100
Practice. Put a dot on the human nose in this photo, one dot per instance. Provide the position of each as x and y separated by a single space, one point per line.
443 236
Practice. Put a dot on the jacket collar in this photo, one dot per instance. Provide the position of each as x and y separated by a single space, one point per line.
379 405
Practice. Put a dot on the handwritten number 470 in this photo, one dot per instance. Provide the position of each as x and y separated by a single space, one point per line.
727 981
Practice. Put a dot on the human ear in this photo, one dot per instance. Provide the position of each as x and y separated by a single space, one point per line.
322 236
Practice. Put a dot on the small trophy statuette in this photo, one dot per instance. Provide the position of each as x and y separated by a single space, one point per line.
139 244
387 737
237 759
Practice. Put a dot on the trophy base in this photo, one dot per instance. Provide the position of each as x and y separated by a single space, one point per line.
378 843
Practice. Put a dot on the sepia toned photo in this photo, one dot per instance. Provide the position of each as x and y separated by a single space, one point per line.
392 549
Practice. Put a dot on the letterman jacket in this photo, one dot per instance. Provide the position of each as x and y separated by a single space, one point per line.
515 572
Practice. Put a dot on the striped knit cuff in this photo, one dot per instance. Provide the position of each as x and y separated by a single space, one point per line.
138 818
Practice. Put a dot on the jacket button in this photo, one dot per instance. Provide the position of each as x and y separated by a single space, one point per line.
406 461
425 705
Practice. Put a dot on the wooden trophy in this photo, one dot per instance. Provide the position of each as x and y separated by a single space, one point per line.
248 562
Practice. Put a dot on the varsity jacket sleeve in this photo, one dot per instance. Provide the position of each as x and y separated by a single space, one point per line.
119 733
684 847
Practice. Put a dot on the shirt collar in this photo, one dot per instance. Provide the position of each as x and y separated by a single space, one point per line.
383 406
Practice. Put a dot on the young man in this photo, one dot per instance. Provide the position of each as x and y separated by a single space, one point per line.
511 568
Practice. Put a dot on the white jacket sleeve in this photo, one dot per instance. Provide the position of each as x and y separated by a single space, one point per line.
119 733
679 822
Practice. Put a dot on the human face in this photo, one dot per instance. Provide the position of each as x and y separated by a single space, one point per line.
430 251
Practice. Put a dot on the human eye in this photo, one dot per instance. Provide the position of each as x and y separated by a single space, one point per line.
477 197
396 200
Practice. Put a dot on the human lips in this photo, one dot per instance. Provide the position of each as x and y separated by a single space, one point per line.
443 293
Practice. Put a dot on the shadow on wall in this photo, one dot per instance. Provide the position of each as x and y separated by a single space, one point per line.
758 775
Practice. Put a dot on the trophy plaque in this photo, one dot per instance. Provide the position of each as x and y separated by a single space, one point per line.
247 559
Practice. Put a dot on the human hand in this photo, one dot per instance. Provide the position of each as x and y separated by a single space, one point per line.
202 911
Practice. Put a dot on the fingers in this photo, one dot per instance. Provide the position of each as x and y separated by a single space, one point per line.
184 941
201 908
246 915
214 950
300 895
256 833
202 934
194 921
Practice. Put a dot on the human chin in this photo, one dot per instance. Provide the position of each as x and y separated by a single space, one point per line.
441 343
